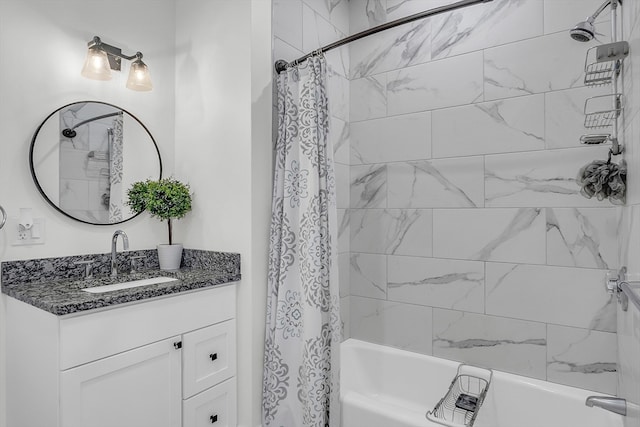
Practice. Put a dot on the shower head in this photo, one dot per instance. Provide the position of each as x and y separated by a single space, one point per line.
584 31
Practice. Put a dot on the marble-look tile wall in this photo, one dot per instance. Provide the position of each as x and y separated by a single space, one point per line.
469 238
462 230
629 242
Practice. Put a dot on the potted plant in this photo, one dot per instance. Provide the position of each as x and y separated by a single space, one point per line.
166 199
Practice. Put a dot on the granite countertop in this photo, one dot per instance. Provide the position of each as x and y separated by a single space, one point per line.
55 286
66 296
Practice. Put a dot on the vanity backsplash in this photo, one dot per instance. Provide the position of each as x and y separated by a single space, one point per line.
66 268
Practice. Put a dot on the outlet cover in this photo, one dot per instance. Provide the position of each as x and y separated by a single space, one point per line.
20 237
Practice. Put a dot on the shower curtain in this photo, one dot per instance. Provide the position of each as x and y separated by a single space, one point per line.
116 158
303 330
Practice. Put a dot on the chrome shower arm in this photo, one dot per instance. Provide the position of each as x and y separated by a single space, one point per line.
603 6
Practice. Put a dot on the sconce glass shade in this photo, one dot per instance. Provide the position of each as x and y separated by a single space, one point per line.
139 77
96 66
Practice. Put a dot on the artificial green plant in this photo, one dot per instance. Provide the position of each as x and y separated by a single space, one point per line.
166 199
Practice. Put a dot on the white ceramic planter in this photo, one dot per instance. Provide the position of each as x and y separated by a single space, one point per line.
170 256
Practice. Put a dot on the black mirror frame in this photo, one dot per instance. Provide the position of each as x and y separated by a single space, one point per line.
33 172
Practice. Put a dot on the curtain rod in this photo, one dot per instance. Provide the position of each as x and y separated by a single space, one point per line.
93 119
282 65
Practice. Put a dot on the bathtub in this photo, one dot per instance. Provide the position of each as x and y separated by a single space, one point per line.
387 387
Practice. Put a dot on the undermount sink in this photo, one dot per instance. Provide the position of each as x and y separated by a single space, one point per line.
129 284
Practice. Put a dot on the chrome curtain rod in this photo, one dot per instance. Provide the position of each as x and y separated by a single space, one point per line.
282 65
93 119
71 133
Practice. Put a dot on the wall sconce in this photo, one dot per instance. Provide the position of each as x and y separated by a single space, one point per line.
102 58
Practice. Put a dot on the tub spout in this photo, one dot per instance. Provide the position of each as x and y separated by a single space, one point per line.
613 404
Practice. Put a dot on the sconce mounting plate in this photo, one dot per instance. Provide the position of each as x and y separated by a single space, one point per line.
115 62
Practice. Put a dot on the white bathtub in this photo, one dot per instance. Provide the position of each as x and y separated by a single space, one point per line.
387 387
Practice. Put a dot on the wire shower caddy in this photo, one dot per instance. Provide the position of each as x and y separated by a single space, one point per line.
460 406
602 111
602 63
603 66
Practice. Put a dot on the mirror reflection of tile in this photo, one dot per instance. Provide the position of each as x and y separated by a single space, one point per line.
91 164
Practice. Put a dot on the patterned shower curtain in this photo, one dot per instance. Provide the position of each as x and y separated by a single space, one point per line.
303 331
115 170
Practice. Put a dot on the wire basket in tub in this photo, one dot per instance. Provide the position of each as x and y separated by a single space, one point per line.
460 406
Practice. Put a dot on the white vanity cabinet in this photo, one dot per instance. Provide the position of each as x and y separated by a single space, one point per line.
159 363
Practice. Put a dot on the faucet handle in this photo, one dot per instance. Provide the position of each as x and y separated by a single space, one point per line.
88 267
136 261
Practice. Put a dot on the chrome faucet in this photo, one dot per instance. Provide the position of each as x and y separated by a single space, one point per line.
125 246
612 404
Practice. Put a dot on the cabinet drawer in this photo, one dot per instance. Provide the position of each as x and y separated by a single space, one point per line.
209 357
88 337
215 407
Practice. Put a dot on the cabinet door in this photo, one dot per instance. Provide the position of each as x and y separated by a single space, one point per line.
209 357
215 407
137 388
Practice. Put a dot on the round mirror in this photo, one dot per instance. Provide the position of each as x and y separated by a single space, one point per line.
85 156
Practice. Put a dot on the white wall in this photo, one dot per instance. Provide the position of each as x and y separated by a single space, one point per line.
43 45
261 172
223 101
42 48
